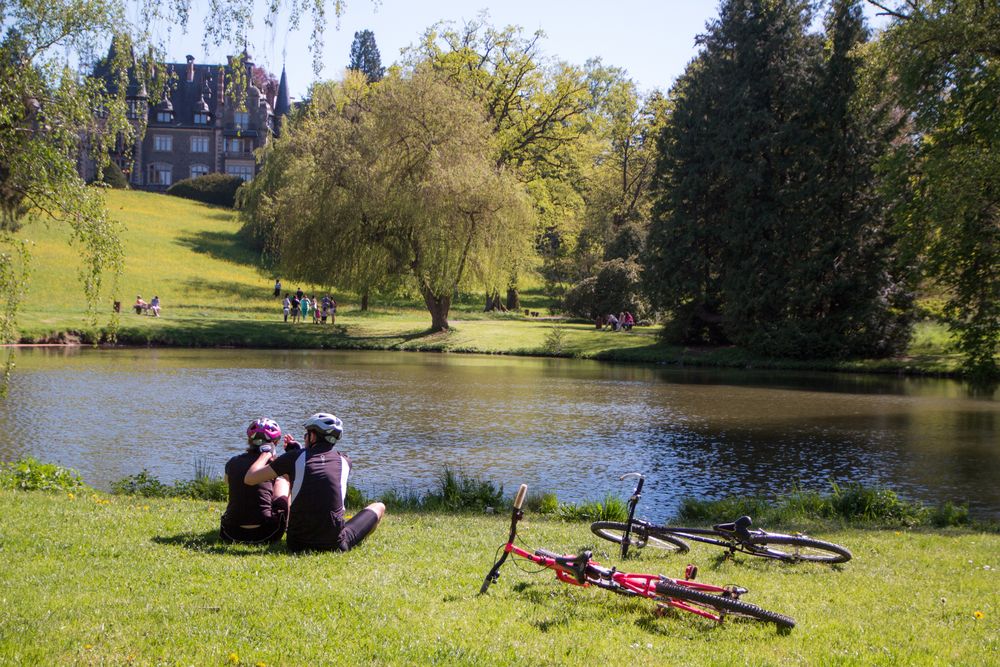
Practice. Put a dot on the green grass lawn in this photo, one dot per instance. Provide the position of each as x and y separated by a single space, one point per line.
92 579
214 294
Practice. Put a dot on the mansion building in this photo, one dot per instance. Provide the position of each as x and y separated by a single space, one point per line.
198 127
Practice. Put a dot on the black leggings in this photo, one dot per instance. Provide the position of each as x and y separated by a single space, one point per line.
351 535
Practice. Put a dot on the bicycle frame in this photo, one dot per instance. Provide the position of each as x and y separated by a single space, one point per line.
581 570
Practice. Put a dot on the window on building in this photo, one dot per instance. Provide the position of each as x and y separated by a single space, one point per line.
198 170
135 108
199 144
244 171
164 116
160 174
241 119
201 119
163 142
234 145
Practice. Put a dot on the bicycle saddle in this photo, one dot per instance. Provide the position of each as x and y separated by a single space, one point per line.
577 564
741 526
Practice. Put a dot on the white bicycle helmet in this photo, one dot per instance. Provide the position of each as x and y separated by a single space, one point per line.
325 424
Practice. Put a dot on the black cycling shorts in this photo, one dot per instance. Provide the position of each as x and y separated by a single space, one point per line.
272 530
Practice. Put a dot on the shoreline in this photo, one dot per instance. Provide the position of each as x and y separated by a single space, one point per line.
680 357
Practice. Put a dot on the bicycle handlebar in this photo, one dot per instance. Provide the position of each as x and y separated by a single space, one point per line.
519 498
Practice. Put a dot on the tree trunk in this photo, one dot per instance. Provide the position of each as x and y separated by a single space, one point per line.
489 303
438 307
364 301
513 298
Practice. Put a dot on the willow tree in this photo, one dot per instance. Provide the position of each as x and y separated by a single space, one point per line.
537 109
393 181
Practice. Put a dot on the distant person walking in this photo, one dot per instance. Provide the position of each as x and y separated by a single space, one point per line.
286 306
277 287
295 309
333 310
316 309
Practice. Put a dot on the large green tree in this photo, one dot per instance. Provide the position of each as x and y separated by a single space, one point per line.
395 180
365 56
767 232
941 59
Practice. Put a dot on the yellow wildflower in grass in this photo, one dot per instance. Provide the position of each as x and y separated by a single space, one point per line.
978 615
261 664
71 496
87 647
233 658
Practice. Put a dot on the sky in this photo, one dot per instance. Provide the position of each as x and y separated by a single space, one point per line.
652 40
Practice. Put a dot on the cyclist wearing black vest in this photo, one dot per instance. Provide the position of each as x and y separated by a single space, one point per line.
318 476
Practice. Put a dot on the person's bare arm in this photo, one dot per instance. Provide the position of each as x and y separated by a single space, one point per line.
260 471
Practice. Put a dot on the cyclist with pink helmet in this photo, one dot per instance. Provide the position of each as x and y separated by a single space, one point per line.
256 514
318 476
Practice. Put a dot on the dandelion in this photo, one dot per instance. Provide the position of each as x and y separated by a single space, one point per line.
261 664
233 658
70 496
978 615
87 647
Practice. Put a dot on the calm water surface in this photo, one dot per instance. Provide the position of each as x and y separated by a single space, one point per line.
565 426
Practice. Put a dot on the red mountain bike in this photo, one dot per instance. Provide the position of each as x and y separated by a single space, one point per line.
712 602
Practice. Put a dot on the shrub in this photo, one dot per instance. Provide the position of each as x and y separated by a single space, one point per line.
113 177
612 508
29 474
615 288
218 189
458 492
543 503
580 300
202 487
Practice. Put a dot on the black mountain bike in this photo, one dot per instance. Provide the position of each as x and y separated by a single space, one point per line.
734 536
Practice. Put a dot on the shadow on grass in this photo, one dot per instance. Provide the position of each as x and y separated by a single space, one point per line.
225 246
209 543
235 290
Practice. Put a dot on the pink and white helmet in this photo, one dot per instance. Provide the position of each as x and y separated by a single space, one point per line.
262 431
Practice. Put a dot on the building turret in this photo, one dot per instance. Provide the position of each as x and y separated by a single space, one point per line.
282 107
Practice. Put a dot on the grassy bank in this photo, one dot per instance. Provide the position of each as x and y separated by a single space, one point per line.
96 579
214 294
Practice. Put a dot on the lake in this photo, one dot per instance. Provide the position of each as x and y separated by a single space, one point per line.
564 426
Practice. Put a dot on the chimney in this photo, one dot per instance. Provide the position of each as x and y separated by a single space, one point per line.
190 69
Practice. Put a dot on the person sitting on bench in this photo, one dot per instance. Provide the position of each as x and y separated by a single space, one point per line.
140 305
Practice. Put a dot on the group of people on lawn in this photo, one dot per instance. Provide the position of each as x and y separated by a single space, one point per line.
624 321
300 306
147 308
302 491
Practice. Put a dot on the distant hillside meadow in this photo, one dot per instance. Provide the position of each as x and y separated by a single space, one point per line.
214 292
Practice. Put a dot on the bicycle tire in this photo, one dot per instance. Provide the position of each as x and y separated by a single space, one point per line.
823 552
614 531
723 605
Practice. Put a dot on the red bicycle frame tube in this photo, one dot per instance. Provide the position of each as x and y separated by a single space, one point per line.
639 584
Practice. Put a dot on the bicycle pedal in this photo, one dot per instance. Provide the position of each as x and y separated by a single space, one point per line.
690 572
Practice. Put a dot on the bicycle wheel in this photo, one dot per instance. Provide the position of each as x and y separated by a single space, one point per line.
614 531
722 605
793 548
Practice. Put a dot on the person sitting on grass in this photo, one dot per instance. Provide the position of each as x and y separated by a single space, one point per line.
256 514
319 487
